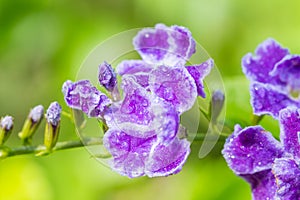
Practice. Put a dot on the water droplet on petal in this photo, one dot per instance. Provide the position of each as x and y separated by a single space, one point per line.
261 92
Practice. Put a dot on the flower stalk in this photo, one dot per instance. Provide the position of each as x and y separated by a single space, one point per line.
6 152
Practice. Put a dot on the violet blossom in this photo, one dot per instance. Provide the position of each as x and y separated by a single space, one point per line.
271 167
275 78
144 134
82 95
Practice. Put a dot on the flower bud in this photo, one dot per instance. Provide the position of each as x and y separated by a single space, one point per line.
107 76
6 126
32 122
216 105
52 125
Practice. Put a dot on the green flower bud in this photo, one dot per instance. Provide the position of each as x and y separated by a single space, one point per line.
32 123
6 126
216 105
52 126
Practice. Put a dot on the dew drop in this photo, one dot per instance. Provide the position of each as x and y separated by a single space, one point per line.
259 163
261 92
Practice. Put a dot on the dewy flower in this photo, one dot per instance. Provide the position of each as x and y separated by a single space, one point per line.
144 134
271 167
275 78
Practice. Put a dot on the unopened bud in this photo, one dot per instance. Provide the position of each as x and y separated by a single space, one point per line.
32 122
216 104
53 125
107 77
6 126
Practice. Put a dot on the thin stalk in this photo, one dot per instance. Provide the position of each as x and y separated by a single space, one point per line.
42 150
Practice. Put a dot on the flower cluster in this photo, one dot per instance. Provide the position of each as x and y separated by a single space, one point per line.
144 133
271 167
275 78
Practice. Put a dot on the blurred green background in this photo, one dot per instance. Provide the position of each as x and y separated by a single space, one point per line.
43 43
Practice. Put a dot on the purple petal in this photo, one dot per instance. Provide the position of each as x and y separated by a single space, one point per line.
175 85
263 185
107 77
82 95
165 45
165 160
290 130
142 114
287 174
199 72
137 68
251 150
133 67
257 67
184 42
266 99
287 72
129 153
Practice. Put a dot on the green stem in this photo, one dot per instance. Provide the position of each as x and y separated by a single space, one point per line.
67 114
201 137
205 114
39 149
256 119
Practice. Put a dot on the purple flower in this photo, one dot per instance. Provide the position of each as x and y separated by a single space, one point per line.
82 95
274 76
144 134
271 167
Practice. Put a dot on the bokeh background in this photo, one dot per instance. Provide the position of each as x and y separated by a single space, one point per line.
44 42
